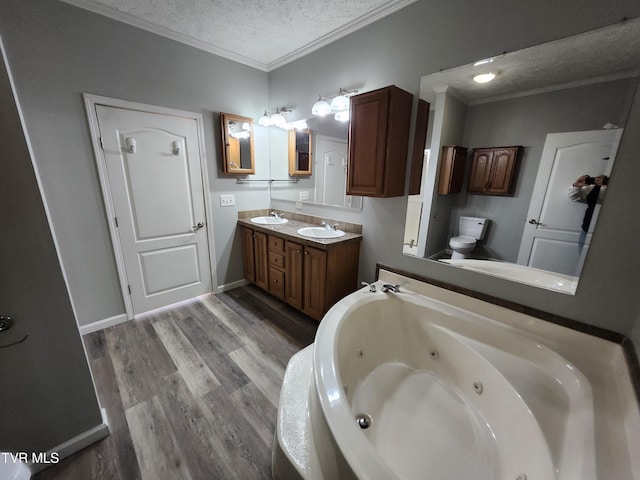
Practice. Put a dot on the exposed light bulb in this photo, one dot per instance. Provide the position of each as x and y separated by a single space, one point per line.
342 116
278 120
340 103
265 120
321 108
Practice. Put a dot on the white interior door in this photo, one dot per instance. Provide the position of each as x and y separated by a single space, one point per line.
156 189
332 153
551 234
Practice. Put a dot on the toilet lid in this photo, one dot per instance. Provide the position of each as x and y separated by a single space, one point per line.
462 241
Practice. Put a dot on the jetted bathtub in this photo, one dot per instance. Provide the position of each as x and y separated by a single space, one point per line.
399 385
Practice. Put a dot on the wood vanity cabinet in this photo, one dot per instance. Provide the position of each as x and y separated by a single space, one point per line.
254 259
492 170
308 278
452 164
379 142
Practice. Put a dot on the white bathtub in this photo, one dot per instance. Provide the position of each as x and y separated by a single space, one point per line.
450 394
519 273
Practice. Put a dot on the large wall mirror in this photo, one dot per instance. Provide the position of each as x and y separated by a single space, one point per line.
565 104
237 144
326 182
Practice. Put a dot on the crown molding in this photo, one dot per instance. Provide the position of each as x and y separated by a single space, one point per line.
360 22
114 14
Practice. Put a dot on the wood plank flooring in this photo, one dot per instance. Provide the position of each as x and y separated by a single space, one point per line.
191 391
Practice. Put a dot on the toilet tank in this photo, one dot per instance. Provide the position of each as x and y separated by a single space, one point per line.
473 227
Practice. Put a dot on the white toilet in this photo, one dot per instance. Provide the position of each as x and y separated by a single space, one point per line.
470 229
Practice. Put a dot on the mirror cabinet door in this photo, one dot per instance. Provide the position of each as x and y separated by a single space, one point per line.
300 159
237 144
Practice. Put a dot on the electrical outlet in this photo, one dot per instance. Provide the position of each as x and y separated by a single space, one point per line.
298 205
227 200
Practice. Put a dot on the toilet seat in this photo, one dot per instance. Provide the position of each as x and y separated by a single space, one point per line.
462 242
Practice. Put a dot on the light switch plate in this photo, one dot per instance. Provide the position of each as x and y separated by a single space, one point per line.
227 200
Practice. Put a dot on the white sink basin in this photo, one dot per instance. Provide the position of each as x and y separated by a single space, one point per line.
320 232
269 220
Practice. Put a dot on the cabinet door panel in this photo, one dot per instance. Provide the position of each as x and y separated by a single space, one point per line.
367 143
315 282
293 276
502 171
480 171
261 260
248 258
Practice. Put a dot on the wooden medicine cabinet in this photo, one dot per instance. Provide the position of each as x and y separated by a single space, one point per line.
300 159
237 144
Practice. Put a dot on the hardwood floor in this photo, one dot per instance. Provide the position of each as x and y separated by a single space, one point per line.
191 392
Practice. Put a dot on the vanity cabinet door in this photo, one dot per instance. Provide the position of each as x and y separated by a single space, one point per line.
315 282
293 253
452 165
248 257
261 260
379 142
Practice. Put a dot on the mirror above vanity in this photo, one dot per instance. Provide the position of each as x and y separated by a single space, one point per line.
561 108
325 181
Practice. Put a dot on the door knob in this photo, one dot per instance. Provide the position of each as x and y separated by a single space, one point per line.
197 226
533 221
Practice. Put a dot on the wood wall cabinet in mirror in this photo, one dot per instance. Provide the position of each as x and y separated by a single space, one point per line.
237 144
419 144
452 163
492 170
300 159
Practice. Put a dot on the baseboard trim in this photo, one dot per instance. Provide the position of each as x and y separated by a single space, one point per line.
231 286
74 445
102 324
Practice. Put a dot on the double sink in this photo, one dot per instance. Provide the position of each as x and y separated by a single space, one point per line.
310 232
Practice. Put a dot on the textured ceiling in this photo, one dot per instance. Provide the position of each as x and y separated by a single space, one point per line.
264 34
603 54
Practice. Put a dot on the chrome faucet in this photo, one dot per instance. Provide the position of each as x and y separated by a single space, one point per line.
328 226
387 287
279 216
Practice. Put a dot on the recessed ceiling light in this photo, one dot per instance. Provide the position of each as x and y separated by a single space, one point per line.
484 77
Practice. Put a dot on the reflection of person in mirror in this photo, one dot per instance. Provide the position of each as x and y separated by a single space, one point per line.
589 190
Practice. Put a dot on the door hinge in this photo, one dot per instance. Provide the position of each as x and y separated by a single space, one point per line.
101 143
115 219
129 288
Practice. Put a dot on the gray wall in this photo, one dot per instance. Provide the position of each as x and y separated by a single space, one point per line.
47 395
428 36
526 121
57 52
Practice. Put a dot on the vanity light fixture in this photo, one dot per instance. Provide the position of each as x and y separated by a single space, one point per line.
339 103
484 77
276 118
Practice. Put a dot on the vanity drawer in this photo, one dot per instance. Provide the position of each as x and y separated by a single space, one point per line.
276 283
276 244
276 260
